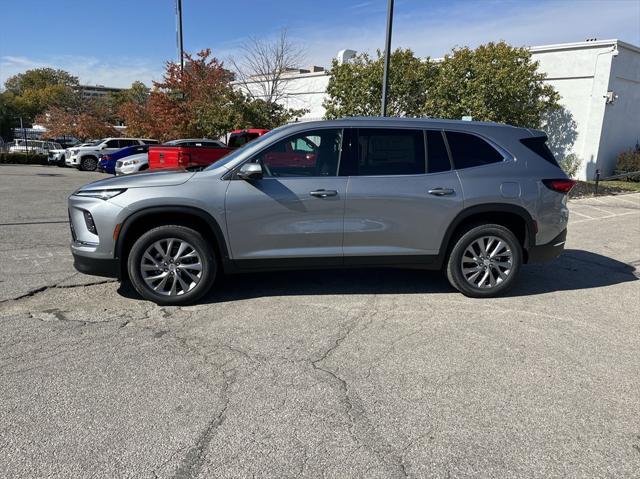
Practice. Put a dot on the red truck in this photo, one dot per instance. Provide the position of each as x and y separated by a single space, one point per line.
197 153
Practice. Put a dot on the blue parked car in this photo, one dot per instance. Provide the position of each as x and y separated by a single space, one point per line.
107 163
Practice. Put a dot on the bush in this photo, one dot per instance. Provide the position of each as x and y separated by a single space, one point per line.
570 165
23 159
629 161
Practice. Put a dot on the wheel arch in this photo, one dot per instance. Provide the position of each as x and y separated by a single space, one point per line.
514 217
142 220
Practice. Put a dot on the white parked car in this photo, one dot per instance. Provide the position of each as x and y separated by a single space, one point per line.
38 147
86 157
132 164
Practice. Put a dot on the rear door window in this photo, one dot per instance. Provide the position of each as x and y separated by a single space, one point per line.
437 155
387 152
469 150
113 144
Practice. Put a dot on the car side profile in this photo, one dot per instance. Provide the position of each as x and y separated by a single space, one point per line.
477 200
86 157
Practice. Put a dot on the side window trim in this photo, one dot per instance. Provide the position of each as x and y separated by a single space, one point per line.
426 151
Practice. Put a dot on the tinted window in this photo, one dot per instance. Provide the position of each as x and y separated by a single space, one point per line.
437 155
150 142
113 144
311 153
390 152
539 146
469 150
124 143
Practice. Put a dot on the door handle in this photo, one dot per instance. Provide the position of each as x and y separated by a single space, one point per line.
323 193
441 191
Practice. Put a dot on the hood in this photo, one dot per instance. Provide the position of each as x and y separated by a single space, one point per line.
143 180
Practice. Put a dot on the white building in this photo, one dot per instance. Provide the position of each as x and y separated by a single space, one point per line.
599 85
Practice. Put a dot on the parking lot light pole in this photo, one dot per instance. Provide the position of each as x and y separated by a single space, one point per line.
179 33
387 55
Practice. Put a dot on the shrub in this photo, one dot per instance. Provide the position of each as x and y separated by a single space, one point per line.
570 164
23 159
629 161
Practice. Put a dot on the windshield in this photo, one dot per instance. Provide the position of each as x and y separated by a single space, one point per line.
234 154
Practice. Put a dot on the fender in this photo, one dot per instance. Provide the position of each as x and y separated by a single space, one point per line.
185 210
530 224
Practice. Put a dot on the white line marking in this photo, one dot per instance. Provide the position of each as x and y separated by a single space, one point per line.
603 217
574 212
634 203
599 209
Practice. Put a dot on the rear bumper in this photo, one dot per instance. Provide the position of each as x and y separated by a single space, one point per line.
549 251
108 268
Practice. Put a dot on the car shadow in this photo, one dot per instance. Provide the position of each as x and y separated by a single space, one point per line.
574 270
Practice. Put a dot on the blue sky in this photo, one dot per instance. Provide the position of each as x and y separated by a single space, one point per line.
115 42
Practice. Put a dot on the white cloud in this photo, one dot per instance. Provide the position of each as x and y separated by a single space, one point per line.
436 31
90 70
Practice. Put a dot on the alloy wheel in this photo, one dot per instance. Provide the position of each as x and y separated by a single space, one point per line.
171 267
487 262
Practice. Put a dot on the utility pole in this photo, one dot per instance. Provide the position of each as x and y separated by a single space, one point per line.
179 33
387 56
24 135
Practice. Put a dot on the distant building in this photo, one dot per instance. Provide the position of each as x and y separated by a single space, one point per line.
96 91
599 82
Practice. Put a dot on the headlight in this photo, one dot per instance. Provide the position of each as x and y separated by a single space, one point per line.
102 194
130 162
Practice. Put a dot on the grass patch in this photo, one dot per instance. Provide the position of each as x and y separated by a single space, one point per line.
613 187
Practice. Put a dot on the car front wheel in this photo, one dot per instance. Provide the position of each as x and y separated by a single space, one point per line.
172 265
484 261
88 164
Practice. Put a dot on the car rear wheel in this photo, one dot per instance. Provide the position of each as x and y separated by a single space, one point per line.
172 265
88 163
484 261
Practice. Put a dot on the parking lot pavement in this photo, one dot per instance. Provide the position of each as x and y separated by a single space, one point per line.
376 373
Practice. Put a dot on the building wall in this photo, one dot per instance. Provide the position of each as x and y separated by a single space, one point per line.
621 124
582 73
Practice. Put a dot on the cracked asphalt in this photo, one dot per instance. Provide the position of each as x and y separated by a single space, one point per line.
363 373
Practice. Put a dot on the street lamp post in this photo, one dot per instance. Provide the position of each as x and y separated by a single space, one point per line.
179 33
387 55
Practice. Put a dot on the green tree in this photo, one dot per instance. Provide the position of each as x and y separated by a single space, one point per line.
34 91
494 82
355 87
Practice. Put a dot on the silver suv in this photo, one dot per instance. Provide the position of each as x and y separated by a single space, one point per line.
475 199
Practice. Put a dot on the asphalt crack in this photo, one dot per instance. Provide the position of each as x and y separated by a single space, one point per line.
193 460
57 285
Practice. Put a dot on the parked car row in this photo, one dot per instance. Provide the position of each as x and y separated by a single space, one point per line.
123 156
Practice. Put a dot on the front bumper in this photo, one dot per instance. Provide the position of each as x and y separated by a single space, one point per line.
548 251
106 267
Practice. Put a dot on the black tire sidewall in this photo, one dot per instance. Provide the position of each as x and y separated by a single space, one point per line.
86 159
209 266
454 268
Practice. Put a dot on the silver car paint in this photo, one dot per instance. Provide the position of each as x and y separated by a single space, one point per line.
273 218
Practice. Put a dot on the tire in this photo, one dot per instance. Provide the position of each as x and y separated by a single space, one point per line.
88 163
144 167
61 162
487 272
174 273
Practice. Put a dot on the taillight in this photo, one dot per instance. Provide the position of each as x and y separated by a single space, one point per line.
561 185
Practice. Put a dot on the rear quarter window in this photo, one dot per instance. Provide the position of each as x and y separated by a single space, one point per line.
469 150
538 144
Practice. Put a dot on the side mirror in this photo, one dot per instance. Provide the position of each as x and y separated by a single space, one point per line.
250 171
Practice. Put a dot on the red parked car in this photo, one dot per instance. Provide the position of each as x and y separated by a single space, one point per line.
197 153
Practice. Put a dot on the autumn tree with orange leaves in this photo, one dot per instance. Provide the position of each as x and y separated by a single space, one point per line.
196 102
